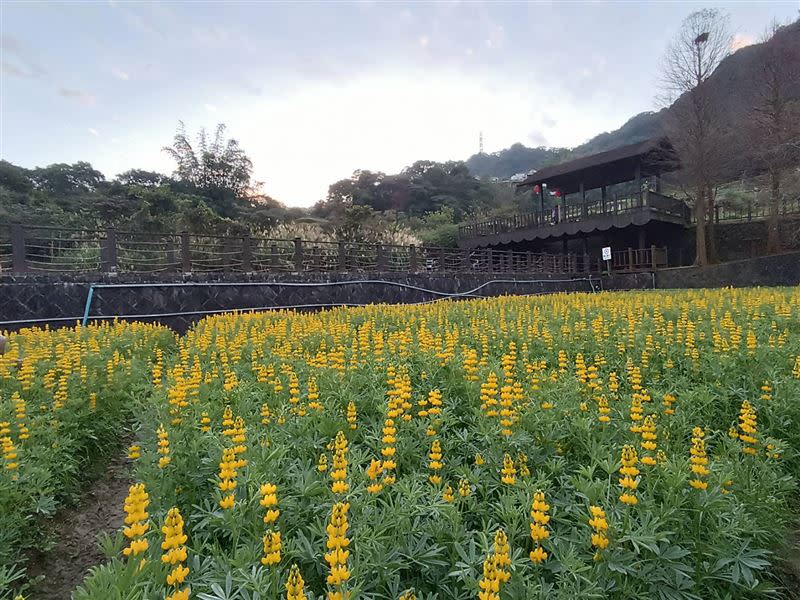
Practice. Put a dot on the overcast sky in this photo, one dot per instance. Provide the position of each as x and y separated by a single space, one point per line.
315 90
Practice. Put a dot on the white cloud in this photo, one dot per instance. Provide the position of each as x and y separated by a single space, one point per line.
93 131
80 96
119 74
303 142
423 41
212 108
740 40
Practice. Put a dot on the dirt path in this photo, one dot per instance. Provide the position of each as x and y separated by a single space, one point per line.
76 530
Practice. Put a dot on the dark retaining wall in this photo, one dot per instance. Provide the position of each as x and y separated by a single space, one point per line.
780 269
41 297
45 296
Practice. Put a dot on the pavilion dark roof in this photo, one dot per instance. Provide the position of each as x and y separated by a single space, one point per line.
654 156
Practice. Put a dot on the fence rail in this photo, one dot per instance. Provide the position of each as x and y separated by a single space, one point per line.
29 249
577 212
754 211
651 201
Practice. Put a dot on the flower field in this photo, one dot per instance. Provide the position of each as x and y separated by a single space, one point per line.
612 445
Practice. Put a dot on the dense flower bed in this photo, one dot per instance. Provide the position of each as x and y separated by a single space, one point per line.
587 446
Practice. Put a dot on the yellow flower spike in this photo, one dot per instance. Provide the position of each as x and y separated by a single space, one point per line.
295 585
136 520
338 474
337 554
175 552
539 520
629 481
508 471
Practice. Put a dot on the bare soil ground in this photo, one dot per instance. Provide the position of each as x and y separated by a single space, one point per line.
76 530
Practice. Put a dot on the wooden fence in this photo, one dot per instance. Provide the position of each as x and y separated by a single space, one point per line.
28 249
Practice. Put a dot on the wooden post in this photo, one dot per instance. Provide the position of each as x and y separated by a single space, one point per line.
380 258
316 258
586 266
298 254
247 254
584 208
630 259
604 195
653 261
273 256
541 197
441 259
412 258
529 261
465 262
186 253
639 182
109 262
18 262
342 256
489 260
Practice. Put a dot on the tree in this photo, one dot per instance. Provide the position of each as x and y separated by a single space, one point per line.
218 168
142 178
65 180
14 178
775 117
694 123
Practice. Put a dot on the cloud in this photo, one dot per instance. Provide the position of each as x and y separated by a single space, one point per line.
80 96
740 40
548 121
212 108
496 37
424 41
120 74
93 131
25 65
537 138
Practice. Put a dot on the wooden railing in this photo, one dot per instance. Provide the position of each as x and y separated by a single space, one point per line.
29 249
639 259
651 201
754 211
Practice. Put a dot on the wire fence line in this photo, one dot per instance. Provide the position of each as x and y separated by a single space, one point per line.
42 250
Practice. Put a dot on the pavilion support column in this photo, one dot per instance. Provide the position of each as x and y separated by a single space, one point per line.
639 182
658 184
584 208
541 197
642 238
564 245
585 241
604 195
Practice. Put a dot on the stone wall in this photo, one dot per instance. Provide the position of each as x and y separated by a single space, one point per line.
47 297
37 297
777 270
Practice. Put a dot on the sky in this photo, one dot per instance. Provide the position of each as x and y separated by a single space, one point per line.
315 90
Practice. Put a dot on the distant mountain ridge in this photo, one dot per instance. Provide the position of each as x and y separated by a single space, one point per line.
734 85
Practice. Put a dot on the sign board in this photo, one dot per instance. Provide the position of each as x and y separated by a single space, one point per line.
607 253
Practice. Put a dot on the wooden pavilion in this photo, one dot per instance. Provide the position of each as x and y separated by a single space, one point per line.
613 198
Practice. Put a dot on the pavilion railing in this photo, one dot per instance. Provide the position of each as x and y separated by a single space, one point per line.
639 259
43 250
652 201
